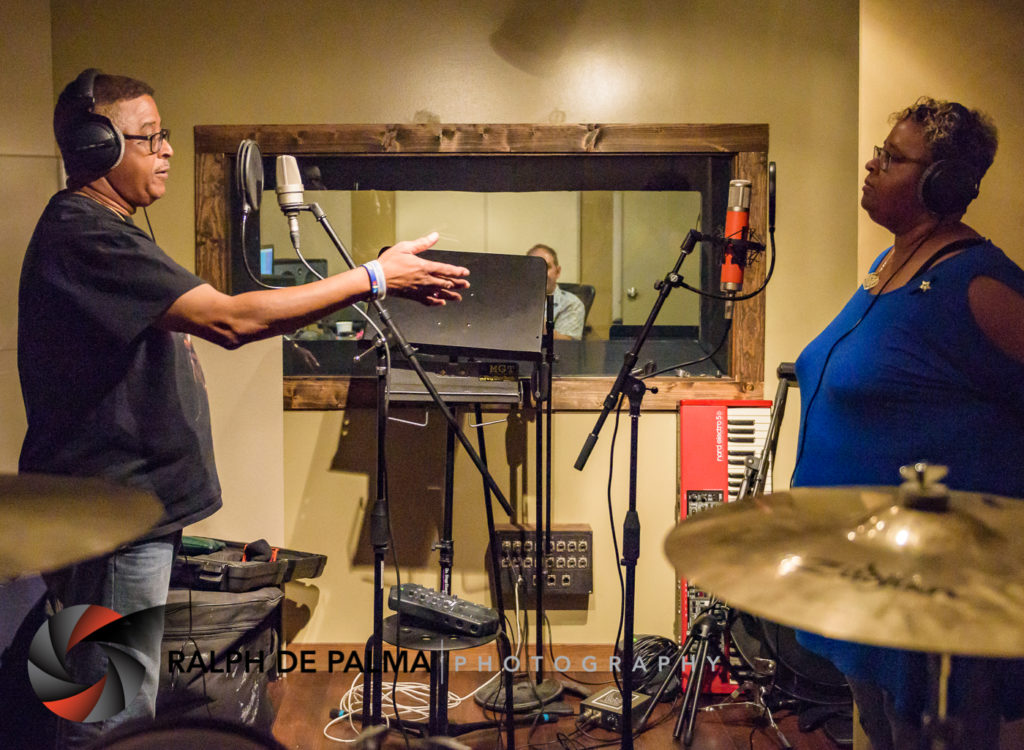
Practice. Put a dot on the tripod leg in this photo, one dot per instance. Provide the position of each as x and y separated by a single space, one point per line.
661 689
699 668
685 650
688 712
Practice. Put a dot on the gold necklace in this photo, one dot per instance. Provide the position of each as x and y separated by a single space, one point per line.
871 280
95 199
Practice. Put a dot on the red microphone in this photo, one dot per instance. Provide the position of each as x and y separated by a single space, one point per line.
737 224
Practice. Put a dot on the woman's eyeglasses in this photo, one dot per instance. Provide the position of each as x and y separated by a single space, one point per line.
884 159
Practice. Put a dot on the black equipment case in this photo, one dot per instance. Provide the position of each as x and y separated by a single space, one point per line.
226 570
222 628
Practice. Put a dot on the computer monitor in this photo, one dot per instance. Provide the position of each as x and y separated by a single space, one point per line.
294 268
266 260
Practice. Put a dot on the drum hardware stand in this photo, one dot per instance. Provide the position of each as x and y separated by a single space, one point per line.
373 670
756 687
711 624
705 634
712 619
922 491
943 731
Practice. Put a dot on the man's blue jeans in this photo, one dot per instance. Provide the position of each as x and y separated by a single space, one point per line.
132 578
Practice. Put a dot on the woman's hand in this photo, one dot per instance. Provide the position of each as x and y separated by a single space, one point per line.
408 275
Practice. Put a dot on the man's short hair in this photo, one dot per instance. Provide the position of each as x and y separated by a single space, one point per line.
108 91
952 131
544 248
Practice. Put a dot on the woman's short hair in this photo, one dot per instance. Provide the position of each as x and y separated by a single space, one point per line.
953 131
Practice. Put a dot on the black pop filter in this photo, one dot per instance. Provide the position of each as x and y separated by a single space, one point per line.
249 175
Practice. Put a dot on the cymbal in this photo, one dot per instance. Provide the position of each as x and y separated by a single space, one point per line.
47 522
858 564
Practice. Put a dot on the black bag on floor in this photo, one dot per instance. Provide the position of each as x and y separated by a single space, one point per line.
219 656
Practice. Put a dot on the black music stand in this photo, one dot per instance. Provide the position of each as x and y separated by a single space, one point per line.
249 184
501 315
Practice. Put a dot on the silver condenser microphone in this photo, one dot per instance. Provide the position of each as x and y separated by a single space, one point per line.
289 194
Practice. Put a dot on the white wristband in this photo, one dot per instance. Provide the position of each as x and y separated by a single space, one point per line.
378 283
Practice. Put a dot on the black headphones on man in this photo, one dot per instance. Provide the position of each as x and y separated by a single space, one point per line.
89 142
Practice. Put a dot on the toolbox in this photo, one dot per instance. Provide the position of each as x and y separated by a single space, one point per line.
221 566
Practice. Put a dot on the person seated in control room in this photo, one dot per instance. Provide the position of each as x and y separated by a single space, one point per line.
569 310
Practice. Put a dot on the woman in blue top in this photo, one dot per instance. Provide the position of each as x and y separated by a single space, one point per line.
925 362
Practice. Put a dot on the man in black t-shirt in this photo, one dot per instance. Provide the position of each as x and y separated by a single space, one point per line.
111 383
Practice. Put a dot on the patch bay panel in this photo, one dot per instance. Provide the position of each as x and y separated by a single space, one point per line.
566 564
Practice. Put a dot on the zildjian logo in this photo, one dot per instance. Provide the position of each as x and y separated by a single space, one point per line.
871 575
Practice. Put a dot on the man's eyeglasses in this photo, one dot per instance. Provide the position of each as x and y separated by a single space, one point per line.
884 159
156 141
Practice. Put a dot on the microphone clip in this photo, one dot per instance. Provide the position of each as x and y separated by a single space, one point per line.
739 248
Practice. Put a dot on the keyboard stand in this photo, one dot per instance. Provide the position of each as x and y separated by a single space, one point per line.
454 391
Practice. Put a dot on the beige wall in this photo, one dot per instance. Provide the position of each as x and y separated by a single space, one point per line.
969 52
29 174
396 61
815 74
790 64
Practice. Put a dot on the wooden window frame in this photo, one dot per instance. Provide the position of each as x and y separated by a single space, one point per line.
216 146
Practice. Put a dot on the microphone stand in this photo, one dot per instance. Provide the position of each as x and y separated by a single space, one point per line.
544 691
665 286
634 388
372 709
379 525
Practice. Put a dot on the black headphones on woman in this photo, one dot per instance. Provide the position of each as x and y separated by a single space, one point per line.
89 142
947 187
